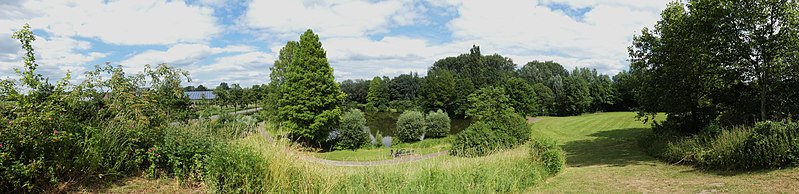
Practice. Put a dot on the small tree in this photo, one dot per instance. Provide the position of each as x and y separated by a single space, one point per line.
438 124
352 131
410 126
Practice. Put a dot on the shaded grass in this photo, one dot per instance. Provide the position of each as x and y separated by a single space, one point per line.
603 155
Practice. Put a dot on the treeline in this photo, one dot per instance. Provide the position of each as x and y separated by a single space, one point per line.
535 89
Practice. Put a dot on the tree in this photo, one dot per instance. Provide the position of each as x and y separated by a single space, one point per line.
438 90
410 126
189 88
535 72
356 90
480 70
276 79
575 97
222 94
522 96
496 125
236 96
624 83
378 95
405 87
201 88
311 98
546 99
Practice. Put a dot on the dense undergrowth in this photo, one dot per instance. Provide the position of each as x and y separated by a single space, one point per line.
766 145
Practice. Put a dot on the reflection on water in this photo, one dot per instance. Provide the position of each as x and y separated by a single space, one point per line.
386 123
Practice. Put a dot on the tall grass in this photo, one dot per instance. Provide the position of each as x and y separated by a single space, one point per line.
285 172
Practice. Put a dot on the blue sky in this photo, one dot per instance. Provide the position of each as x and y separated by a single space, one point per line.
236 41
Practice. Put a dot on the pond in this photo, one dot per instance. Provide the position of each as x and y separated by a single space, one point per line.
386 123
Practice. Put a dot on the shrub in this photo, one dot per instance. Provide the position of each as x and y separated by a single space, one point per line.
352 130
410 126
234 168
438 124
109 151
185 150
548 154
490 107
476 140
773 144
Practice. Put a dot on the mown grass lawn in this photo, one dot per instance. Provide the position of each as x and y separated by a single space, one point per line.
604 156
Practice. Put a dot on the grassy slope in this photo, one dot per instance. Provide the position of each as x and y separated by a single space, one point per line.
603 156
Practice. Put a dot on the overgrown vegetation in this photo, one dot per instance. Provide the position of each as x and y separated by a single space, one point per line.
767 145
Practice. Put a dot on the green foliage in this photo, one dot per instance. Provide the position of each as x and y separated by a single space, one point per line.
773 144
378 95
352 131
437 124
277 78
496 125
548 154
405 87
575 98
479 139
311 98
235 168
403 105
410 126
438 90
356 90
767 145
522 96
185 152
37 134
546 99
733 60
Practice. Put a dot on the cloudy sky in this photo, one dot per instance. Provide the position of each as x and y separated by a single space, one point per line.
236 41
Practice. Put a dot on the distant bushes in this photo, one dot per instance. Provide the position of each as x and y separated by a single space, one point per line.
352 130
438 124
766 145
410 126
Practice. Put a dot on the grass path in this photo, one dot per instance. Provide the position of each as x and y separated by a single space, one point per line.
604 156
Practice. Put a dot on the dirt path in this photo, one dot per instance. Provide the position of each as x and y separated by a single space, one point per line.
399 160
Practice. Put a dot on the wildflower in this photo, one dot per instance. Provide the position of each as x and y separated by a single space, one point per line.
50 118
1 145
156 155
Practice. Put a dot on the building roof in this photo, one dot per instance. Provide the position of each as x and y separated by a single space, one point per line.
200 95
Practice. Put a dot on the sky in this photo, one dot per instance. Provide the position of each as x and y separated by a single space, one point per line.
236 41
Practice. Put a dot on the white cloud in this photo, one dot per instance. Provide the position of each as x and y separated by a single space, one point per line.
245 68
127 22
350 18
56 56
529 28
180 55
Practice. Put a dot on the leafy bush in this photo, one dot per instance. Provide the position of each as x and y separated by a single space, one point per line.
491 108
548 154
438 124
234 168
410 126
186 150
478 139
352 130
109 151
773 144
768 144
